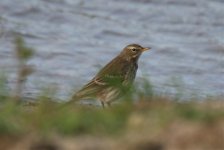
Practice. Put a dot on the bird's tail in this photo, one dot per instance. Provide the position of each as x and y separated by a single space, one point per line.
73 99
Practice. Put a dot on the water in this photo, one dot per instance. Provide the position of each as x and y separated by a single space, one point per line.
73 39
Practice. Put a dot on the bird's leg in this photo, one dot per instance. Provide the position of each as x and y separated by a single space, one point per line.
102 103
108 104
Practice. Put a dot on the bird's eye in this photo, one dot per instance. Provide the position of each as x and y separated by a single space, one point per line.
134 49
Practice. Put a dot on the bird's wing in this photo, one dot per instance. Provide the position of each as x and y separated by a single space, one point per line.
90 89
114 71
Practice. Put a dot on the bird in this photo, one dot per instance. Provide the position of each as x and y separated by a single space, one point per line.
113 80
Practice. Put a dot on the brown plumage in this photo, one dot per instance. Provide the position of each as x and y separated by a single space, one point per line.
110 81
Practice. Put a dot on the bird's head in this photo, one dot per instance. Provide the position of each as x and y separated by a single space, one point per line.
133 51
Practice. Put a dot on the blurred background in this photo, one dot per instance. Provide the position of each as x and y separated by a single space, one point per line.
73 39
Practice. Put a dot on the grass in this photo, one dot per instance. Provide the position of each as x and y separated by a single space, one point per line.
47 116
147 122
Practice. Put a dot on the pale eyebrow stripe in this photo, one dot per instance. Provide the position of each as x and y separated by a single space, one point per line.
131 47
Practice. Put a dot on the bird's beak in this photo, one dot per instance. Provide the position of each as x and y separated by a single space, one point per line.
146 48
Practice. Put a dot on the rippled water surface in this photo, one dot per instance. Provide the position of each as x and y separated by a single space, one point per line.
73 39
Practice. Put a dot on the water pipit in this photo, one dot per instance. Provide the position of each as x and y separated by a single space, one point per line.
110 82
